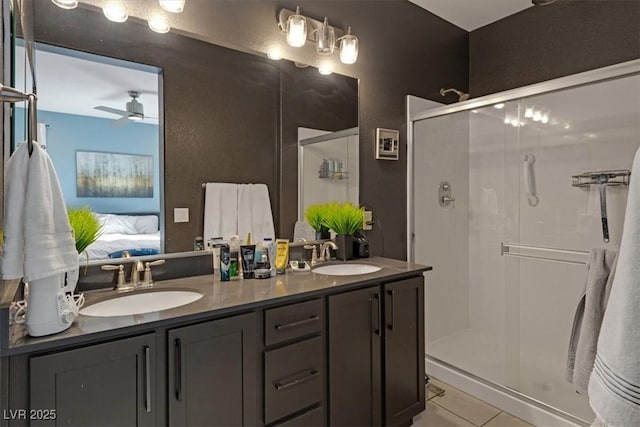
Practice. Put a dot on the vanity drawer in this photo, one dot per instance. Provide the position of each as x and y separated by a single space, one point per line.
293 321
312 418
293 378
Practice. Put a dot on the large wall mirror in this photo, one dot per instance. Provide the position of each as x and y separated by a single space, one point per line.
212 114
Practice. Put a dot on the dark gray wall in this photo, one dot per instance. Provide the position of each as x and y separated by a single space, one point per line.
547 42
404 50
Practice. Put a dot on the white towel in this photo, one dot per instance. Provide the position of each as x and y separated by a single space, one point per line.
588 318
254 212
220 210
38 239
614 388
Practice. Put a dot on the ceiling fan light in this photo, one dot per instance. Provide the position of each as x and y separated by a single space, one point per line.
115 11
159 24
173 6
66 4
136 117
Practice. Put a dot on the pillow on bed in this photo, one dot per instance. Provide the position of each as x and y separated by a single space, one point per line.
146 224
117 224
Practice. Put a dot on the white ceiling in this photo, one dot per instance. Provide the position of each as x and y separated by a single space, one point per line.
472 14
72 85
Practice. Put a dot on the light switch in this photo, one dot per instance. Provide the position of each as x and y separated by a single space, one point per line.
180 215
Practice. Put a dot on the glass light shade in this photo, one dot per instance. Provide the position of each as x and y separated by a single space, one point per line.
537 116
325 39
348 48
296 30
325 69
66 4
173 6
115 11
545 118
528 112
159 24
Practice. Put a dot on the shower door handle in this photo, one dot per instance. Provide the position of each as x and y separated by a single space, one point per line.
603 212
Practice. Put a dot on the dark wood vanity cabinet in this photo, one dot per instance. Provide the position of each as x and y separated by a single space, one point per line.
376 354
212 373
110 384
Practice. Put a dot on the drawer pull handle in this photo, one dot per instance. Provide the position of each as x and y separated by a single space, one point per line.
147 378
297 323
312 374
178 368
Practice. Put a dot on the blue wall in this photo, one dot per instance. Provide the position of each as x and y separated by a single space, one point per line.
68 133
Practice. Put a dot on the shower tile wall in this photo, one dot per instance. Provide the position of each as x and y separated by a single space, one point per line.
508 319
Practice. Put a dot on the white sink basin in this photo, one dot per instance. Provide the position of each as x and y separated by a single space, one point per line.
139 303
346 269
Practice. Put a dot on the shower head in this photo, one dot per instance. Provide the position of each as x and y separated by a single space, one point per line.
461 95
542 2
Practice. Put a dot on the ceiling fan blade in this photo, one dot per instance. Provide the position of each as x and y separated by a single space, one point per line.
111 110
120 122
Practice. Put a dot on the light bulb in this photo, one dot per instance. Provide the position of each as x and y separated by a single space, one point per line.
537 116
567 126
348 48
66 4
325 69
159 24
115 11
296 29
274 54
173 6
545 118
528 112
507 120
499 106
325 39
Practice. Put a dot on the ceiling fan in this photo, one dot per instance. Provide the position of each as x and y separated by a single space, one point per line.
134 110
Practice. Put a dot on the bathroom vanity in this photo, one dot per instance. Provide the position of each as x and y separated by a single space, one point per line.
297 349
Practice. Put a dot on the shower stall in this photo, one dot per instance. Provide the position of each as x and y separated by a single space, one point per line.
507 194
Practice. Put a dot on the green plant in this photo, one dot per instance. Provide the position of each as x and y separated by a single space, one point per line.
344 218
316 216
86 227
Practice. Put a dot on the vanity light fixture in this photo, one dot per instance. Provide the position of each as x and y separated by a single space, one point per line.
325 38
296 29
159 23
66 4
173 6
115 11
348 48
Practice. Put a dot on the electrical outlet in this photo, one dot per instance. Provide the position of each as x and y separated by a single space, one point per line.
368 220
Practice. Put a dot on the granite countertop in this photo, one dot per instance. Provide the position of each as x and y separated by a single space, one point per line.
219 299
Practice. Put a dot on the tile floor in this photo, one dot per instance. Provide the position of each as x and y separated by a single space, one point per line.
458 409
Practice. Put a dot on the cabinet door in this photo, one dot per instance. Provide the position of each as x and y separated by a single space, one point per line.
109 384
213 373
404 350
354 358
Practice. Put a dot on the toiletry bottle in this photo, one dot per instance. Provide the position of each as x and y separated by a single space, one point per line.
224 263
235 268
271 252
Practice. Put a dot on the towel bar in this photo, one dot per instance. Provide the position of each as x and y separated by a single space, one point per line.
506 250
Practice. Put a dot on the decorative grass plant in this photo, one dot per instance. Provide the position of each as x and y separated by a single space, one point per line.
344 218
86 227
315 216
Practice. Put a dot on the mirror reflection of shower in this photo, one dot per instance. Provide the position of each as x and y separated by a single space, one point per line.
462 96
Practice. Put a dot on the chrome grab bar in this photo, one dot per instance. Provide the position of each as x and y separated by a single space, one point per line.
506 250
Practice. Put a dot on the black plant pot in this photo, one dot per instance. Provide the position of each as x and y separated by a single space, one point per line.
345 247
323 235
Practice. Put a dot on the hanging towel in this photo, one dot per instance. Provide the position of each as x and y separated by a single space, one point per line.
254 212
38 239
614 388
220 210
588 318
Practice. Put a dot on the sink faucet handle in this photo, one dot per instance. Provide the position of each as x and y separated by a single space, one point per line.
148 280
120 281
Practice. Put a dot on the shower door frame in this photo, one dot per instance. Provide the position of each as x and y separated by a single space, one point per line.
611 72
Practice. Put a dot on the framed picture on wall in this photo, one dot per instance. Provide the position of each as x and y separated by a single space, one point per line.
100 174
387 144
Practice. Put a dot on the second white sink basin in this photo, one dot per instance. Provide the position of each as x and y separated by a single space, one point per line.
346 269
139 303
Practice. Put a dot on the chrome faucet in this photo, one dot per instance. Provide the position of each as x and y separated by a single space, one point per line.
325 254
